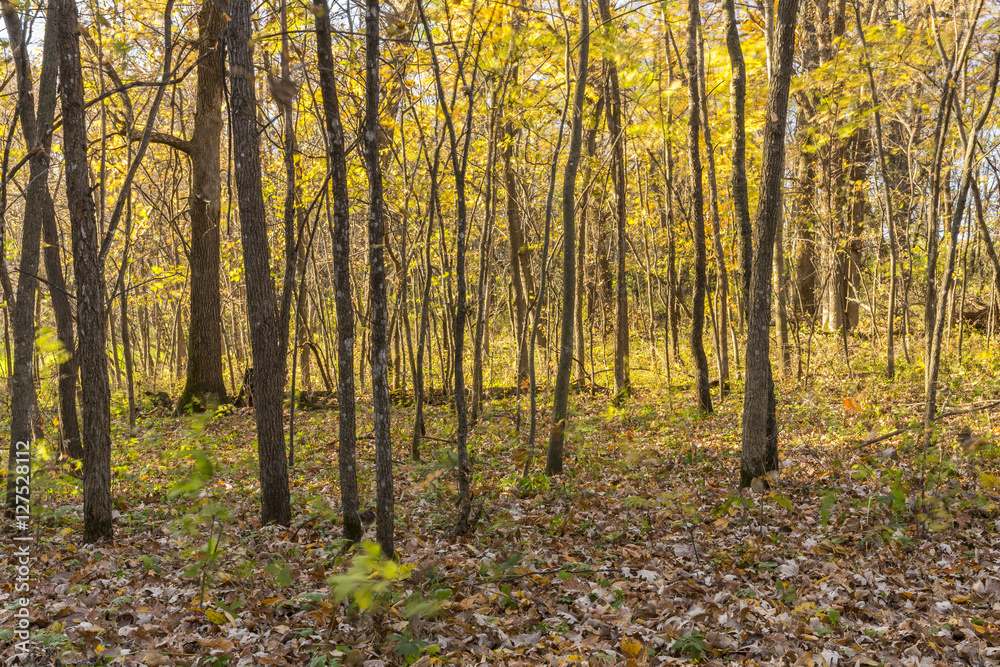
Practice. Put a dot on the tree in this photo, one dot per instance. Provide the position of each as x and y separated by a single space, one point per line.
889 209
204 383
760 431
340 233
702 394
268 365
37 132
376 287
554 460
459 160
96 400
722 274
738 180
614 114
941 315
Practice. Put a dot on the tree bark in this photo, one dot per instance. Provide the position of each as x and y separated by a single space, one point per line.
623 382
377 290
560 402
702 393
37 134
96 401
738 180
204 380
760 433
268 365
340 232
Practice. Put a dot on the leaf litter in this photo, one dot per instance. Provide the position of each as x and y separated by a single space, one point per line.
644 553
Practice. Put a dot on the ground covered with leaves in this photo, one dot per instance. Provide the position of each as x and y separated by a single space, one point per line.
644 552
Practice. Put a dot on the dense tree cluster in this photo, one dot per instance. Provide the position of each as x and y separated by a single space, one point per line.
186 189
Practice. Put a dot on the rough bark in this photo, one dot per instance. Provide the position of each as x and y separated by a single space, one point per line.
377 290
268 365
341 235
204 380
702 393
760 433
96 400
37 204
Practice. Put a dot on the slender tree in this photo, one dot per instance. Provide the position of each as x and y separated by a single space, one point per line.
37 132
341 235
722 274
760 430
623 383
268 366
376 287
947 278
890 210
702 392
90 312
738 179
554 459
459 159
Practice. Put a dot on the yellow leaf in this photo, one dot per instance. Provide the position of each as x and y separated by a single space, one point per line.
632 647
216 617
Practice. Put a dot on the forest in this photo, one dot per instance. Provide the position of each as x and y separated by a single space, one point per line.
447 332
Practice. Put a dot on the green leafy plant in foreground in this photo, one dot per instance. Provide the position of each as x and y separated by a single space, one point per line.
373 582
691 644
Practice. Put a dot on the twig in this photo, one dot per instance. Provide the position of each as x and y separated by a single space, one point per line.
943 415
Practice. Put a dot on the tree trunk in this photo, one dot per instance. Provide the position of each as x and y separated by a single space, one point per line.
702 394
268 365
377 291
720 258
889 208
341 235
623 382
515 234
554 459
37 204
96 400
968 174
204 380
760 432
738 180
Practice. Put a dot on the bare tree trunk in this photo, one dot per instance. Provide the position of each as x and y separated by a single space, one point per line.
968 173
623 382
96 401
204 380
554 459
889 208
760 431
738 180
377 290
713 196
702 393
37 134
268 365
340 233
458 161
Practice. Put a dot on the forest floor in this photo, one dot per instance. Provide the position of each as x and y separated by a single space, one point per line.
644 552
